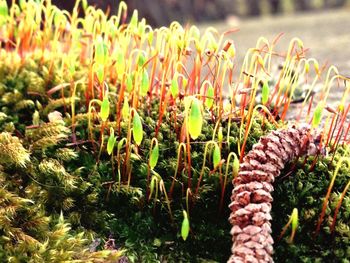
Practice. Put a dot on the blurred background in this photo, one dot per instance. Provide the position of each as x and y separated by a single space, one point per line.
323 25
163 12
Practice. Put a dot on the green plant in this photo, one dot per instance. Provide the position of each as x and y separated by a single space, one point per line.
122 127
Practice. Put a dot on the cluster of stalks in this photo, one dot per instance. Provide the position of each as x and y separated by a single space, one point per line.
121 68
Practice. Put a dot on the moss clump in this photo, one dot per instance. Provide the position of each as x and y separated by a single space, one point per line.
306 189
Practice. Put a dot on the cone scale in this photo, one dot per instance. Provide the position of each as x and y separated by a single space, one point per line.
251 199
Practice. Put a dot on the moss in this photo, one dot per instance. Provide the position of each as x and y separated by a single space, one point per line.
57 180
306 189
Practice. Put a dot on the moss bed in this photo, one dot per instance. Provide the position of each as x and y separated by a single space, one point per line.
69 194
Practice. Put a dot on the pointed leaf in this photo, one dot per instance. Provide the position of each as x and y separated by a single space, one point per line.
22 4
216 155
195 119
174 88
152 185
137 131
99 71
154 155
126 109
104 108
209 101
185 228
141 60
101 51
318 114
111 142
150 37
144 83
121 143
265 93
129 82
120 64
3 11
84 4
295 220
220 135
134 20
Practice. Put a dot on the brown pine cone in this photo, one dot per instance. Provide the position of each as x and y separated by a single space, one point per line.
251 197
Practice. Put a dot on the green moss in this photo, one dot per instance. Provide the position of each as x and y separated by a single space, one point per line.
60 189
306 189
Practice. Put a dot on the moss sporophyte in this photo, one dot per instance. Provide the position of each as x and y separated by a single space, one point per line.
119 138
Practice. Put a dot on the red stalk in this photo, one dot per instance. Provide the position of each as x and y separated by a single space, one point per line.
338 206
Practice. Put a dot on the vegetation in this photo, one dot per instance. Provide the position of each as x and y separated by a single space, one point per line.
120 141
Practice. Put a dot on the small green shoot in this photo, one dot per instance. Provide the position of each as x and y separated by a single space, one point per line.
111 141
153 159
137 130
195 119
318 114
104 112
294 221
185 227
265 93
216 155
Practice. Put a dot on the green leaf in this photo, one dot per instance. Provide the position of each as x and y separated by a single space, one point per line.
195 119
220 135
295 220
99 71
150 37
142 60
101 51
216 155
22 4
265 93
144 83
134 20
84 4
129 83
120 64
152 185
111 141
154 155
185 228
125 109
4 11
209 101
58 19
174 88
121 143
105 108
318 114
137 130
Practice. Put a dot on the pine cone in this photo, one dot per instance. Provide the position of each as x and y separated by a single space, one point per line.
251 197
